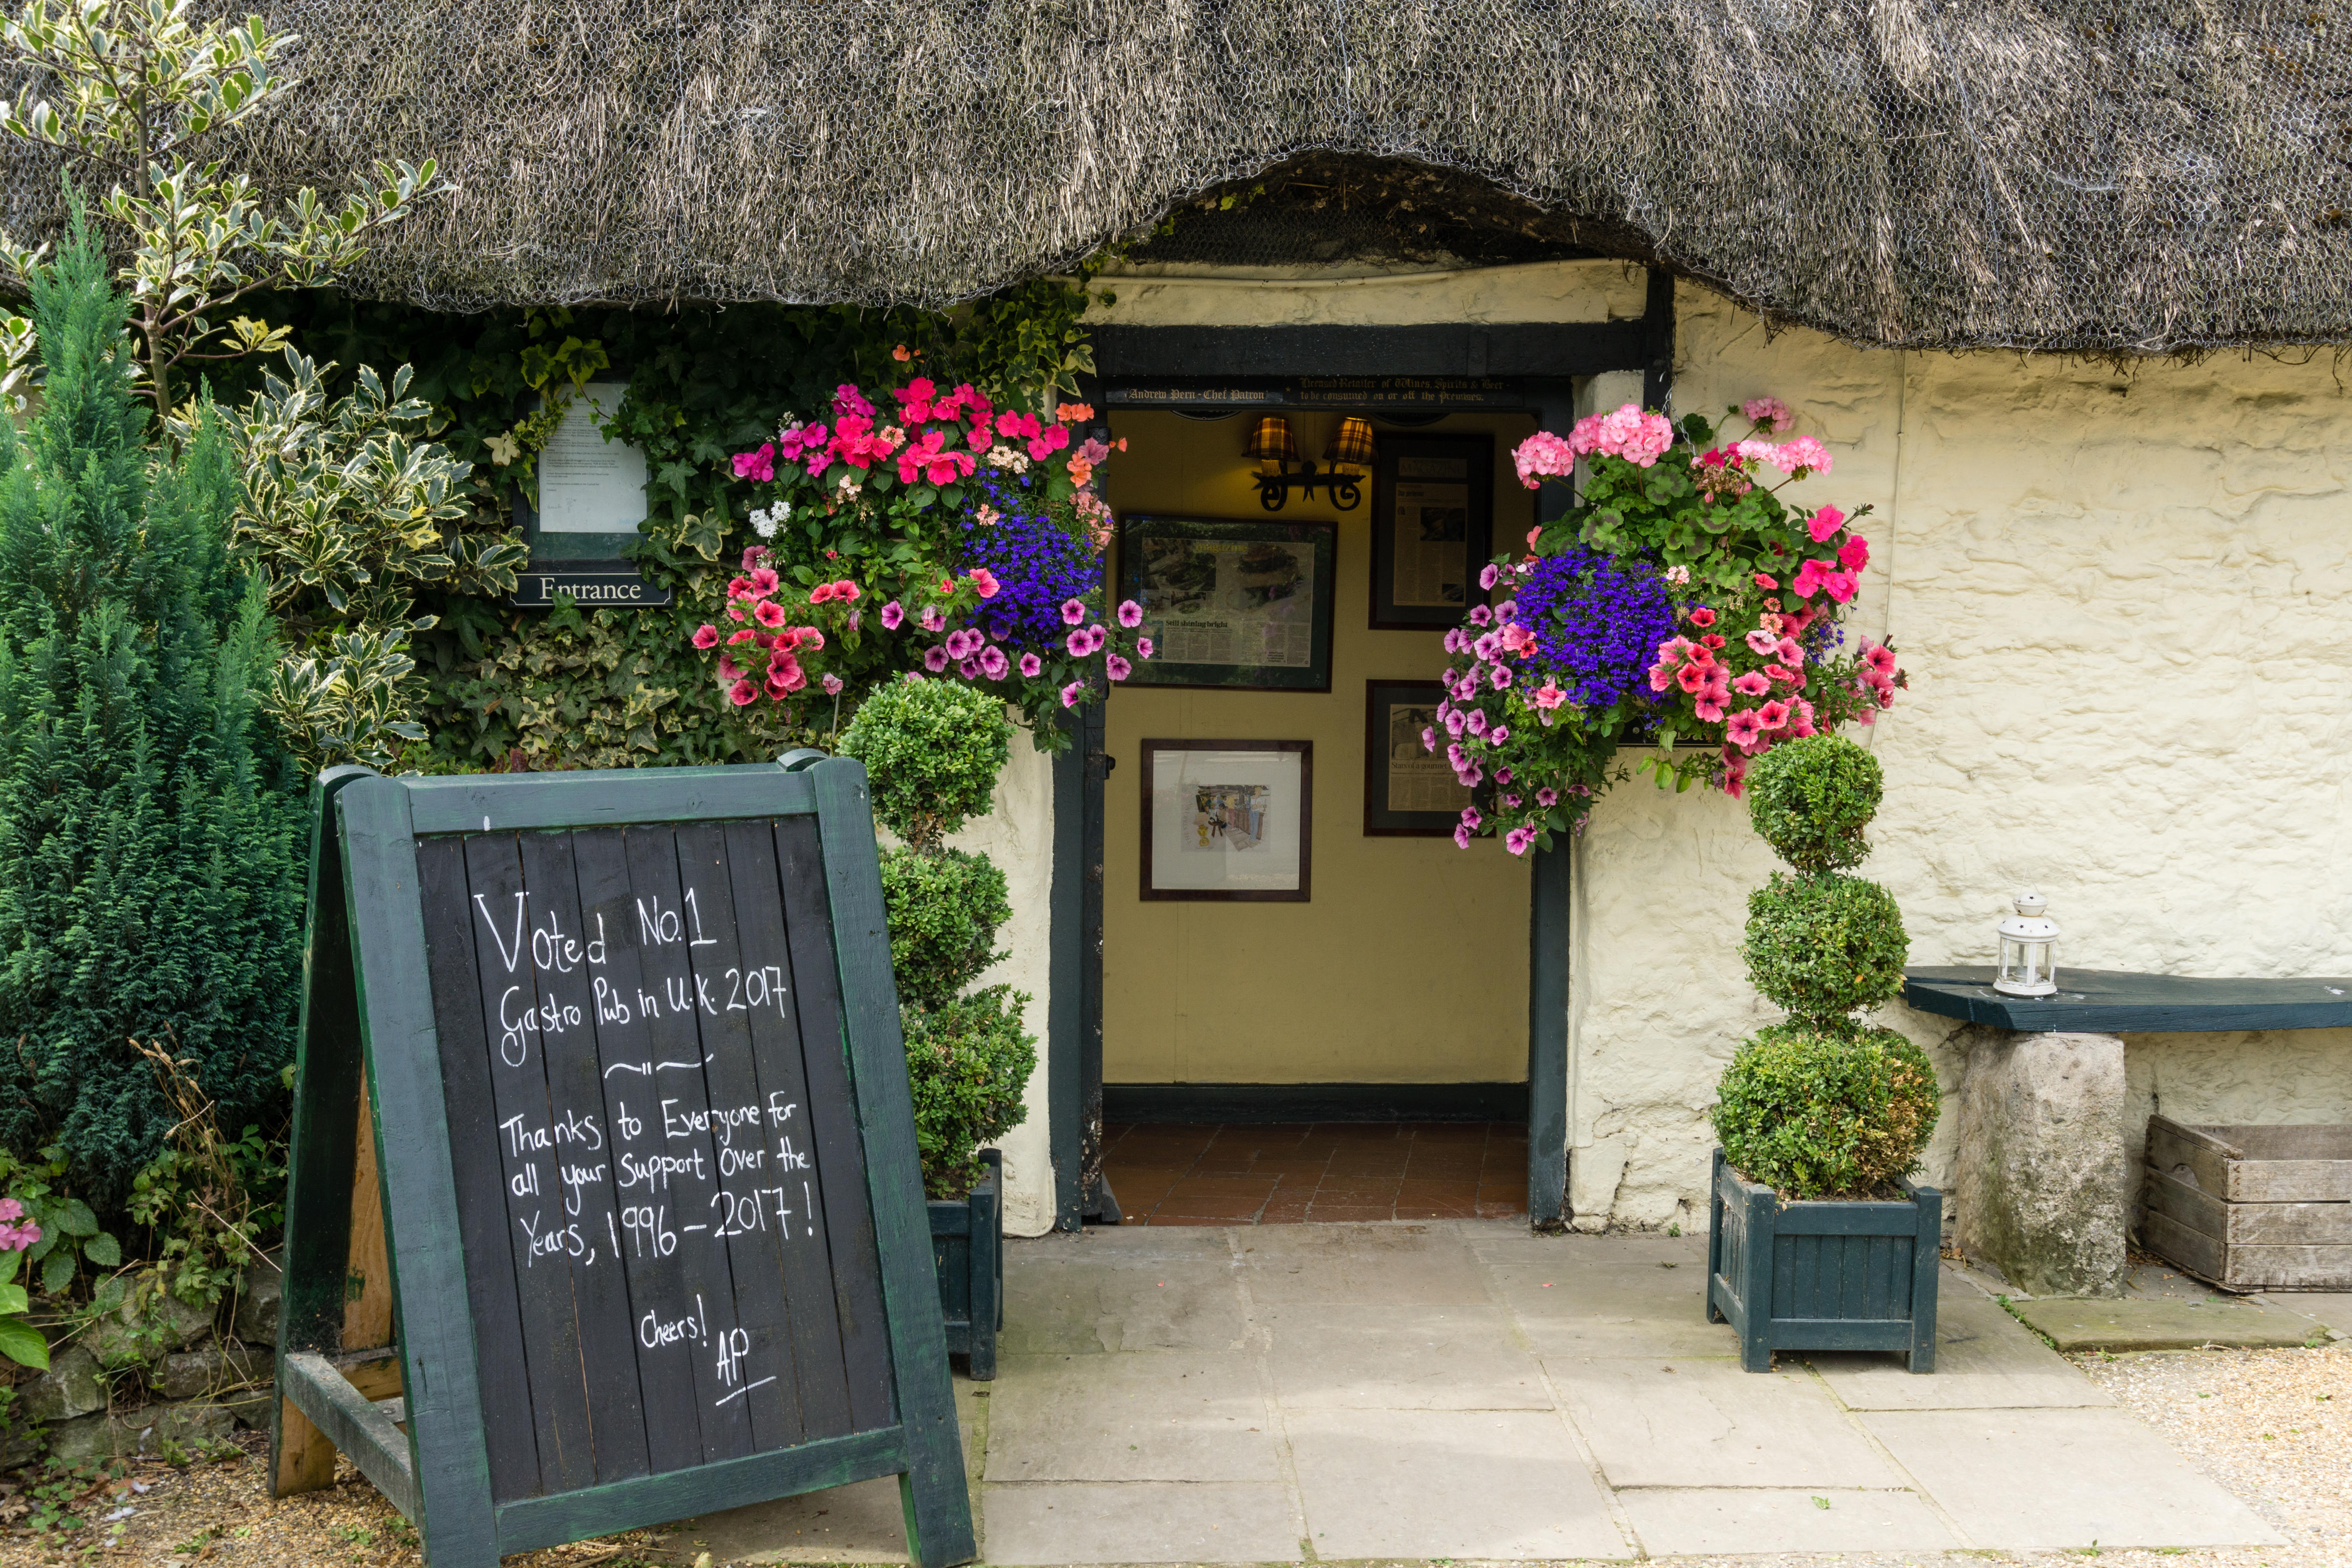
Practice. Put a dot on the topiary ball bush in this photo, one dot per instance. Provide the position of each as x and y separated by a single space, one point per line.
1811 798
970 1062
932 750
1822 947
1834 1112
944 907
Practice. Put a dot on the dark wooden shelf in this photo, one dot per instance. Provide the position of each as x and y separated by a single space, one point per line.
2116 1001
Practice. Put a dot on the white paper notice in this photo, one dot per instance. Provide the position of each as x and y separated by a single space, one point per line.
587 484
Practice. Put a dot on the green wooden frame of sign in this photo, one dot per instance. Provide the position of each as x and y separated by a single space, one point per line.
1163 670
370 1037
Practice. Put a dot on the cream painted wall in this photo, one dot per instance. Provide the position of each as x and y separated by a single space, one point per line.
2126 603
1409 965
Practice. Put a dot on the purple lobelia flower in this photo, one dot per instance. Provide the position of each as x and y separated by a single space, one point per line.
1598 620
1039 564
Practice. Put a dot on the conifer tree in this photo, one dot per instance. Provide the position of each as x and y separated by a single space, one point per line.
149 824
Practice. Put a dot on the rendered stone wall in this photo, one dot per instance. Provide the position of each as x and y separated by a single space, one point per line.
2125 601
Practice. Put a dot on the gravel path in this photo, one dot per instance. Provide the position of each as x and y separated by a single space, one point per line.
2274 1426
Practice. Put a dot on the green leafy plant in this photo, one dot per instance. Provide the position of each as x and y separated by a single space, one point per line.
208 1199
133 94
68 1234
148 819
19 1341
969 1060
1821 1106
932 750
348 508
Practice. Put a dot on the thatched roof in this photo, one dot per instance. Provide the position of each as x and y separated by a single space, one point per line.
2137 175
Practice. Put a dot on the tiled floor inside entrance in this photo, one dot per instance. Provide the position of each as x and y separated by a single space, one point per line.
1231 1174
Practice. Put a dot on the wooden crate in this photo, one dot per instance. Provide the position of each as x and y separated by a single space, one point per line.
2252 1208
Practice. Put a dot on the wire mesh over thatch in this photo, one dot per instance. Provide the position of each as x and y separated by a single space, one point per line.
2085 174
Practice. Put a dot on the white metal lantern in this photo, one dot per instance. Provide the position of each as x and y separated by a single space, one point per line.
2029 950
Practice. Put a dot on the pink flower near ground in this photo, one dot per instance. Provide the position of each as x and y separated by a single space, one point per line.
1029 665
1752 684
1117 668
1768 411
1825 522
935 660
832 684
1070 693
1073 613
1761 642
706 636
1131 614
893 616
742 693
1743 728
1855 553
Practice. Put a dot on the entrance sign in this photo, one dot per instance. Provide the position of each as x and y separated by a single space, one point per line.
646 1187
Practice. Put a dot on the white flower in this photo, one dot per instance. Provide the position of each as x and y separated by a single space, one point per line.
1679 575
504 450
763 523
1011 458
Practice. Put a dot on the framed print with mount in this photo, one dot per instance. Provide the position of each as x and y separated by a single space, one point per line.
1243 605
1409 791
1433 528
1228 820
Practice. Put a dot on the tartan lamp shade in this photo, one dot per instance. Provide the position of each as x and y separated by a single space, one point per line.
1353 445
1271 440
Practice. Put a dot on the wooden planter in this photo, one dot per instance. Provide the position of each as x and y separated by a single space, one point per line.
2252 1209
968 1245
1822 1276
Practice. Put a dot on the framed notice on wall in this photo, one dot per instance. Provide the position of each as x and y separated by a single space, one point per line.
1433 528
1228 820
1409 790
582 516
1246 605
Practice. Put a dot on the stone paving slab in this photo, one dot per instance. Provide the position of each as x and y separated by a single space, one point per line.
1675 1522
1113 1302
1141 1521
1420 1264
1486 1484
1690 1422
1400 1358
1985 1359
1155 1416
2042 1480
2163 1323
1594 1296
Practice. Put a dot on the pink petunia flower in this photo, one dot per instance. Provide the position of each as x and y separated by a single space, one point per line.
1029 665
984 582
764 582
1709 712
1073 613
1800 722
706 636
893 616
1070 693
1498 735
968 668
1546 797
1454 723
933 619
1079 644
994 664
1131 614
728 669
1761 642
1735 772
1117 668
1471 819
935 660
1462 835
1772 715
1480 615
1752 684
1143 647
1499 677
1764 582
1476 722
1743 728
1690 678
768 613
1487 579
1517 839
742 693
1549 695
1428 738
832 684
1702 617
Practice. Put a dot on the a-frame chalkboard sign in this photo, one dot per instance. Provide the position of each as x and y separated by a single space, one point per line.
603 1161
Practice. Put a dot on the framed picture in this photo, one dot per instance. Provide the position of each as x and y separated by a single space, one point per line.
1228 820
1433 528
1245 605
1409 791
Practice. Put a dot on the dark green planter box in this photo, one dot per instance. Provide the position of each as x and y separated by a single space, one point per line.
968 1245
1822 1276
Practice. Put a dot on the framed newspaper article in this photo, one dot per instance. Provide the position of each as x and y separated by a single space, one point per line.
1231 820
1409 791
1433 528
1246 605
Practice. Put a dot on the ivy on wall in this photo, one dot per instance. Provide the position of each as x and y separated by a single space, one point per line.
571 688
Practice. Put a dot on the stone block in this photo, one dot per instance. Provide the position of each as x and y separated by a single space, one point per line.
191 1427
1746 1522
69 1388
213 1370
257 1302
143 1329
1706 1423
1149 1415
1985 1359
2164 1323
1400 1358
2040 1190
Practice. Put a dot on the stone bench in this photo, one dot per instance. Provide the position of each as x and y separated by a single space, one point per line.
2042 1190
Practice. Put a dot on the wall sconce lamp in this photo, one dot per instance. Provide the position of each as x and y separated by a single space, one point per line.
1270 443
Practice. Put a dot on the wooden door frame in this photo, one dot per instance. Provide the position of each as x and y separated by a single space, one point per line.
1542 359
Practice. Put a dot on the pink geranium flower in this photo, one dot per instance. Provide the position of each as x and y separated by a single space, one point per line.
1825 522
1811 576
760 465
1855 553
1764 582
1770 413
1841 586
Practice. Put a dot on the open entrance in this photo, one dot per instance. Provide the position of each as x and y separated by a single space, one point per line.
1314 1003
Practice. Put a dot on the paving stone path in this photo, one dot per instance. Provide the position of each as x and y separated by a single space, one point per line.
1466 1390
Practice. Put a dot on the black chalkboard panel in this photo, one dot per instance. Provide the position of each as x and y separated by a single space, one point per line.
645 1152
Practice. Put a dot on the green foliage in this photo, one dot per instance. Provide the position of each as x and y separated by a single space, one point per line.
140 91
1832 1111
1811 798
932 750
19 1341
970 1061
944 907
1825 946
70 1236
207 1199
149 824
348 508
